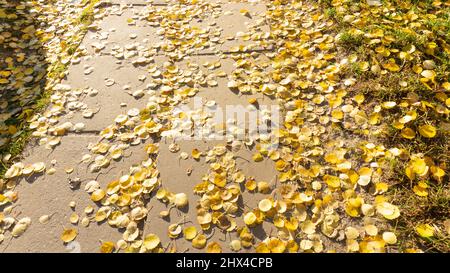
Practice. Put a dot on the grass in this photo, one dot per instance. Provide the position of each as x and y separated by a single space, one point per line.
330 12
18 143
434 208
404 38
86 17
351 40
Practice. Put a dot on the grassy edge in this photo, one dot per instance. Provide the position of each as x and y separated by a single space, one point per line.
431 209
18 143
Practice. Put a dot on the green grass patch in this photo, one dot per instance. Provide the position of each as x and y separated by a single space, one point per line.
351 40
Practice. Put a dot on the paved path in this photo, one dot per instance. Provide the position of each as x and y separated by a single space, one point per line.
116 72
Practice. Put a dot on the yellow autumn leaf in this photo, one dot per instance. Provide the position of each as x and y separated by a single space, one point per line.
244 12
389 237
249 219
196 154
257 157
199 241
332 181
98 195
425 230
419 166
428 131
359 98
69 235
213 247
437 172
107 247
446 86
151 241
388 210
429 74
410 172
265 205
3 200
392 66
190 233
352 211
408 133
421 189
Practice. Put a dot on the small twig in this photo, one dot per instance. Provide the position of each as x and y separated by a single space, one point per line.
237 156
168 244
7 245
211 235
89 165
104 173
